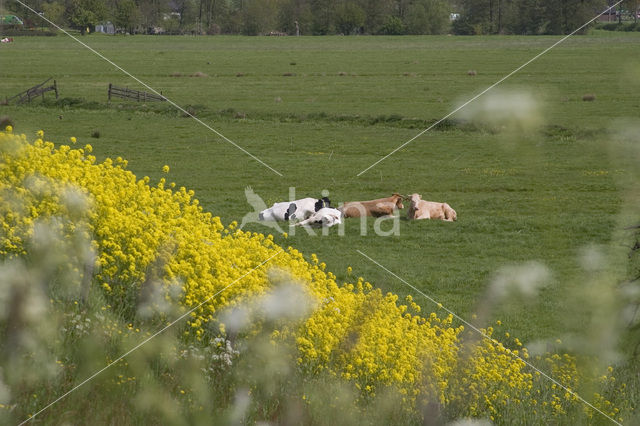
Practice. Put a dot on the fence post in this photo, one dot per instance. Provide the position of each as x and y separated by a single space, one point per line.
109 93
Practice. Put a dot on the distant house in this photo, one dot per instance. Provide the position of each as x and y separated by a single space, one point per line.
610 15
106 27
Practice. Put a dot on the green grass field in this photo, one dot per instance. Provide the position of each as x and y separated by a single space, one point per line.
321 109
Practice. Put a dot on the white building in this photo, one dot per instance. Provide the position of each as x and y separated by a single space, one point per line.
106 27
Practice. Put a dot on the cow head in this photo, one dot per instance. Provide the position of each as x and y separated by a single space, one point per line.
449 213
398 200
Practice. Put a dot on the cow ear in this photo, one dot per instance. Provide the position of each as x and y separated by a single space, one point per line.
318 205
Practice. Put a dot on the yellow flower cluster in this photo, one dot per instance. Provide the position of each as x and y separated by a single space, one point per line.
157 235
368 338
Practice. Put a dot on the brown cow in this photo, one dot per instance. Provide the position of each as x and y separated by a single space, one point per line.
421 209
376 208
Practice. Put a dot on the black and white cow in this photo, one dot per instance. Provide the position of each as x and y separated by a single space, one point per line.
325 217
294 210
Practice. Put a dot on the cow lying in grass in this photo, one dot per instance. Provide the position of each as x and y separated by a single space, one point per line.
294 210
421 209
376 208
325 217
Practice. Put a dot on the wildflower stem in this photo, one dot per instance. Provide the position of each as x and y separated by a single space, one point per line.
149 338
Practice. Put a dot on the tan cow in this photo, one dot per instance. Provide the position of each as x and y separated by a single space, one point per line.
421 209
376 208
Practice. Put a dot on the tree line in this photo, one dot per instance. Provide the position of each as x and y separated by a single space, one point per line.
320 17
535 16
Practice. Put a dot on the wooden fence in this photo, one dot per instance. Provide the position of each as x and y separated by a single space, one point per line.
33 92
126 93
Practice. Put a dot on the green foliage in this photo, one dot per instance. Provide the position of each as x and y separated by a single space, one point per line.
292 11
54 12
322 17
614 26
610 26
526 17
378 13
566 16
152 13
323 12
393 26
427 17
127 15
259 16
477 17
349 18
84 14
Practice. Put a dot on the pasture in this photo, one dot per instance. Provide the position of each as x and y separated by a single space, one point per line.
322 109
